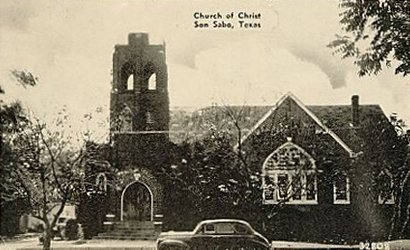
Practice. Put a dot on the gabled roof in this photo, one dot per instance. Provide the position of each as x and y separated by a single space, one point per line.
333 119
309 113
338 119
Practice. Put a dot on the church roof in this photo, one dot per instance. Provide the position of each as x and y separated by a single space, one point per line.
335 119
338 119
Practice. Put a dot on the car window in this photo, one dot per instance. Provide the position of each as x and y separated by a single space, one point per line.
226 228
241 229
61 220
209 229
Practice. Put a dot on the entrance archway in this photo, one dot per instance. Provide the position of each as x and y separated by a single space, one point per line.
137 202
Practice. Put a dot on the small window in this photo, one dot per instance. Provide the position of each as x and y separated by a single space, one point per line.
150 119
209 229
152 82
268 193
125 120
310 187
386 195
341 190
296 187
283 186
101 182
130 82
269 190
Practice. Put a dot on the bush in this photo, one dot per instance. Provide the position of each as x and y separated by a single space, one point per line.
71 230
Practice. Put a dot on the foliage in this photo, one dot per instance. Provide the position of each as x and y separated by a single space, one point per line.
47 171
385 25
24 78
12 121
386 157
42 166
208 170
71 230
394 154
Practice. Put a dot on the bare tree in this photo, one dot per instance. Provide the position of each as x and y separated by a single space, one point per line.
48 172
43 161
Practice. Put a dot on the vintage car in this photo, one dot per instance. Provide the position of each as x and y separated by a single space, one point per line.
221 234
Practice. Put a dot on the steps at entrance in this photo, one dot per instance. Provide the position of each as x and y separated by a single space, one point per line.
126 230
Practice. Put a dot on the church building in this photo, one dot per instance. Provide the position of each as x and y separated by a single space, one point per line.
328 168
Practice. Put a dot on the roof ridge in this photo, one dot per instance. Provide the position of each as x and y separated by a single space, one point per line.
335 105
308 112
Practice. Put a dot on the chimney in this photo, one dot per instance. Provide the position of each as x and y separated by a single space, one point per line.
355 110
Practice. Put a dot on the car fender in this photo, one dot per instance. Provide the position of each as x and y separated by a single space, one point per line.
169 244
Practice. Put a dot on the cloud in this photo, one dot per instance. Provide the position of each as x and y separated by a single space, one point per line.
188 55
16 15
308 35
335 71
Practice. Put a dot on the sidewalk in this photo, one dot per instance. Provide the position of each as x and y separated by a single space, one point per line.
33 244
306 245
390 245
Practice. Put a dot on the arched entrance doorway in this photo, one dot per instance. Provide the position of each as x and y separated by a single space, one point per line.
137 202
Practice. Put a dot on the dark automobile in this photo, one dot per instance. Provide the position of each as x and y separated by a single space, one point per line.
221 234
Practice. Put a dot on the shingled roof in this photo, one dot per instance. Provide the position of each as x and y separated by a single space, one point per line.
338 118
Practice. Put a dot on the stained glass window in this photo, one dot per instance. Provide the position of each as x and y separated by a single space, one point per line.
290 176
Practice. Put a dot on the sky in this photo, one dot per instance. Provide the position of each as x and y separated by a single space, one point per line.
69 46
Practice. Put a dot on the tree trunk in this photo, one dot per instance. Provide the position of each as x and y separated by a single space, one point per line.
47 239
394 229
405 223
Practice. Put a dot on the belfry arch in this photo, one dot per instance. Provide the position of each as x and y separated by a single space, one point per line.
127 80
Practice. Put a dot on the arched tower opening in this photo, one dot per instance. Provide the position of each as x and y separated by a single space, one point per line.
152 82
130 82
149 77
127 79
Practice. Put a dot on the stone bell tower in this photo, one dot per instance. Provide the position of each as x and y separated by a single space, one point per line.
139 128
140 103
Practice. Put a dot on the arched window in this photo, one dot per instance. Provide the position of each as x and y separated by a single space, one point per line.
101 182
152 82
127 77
289 175
149 77
130 82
